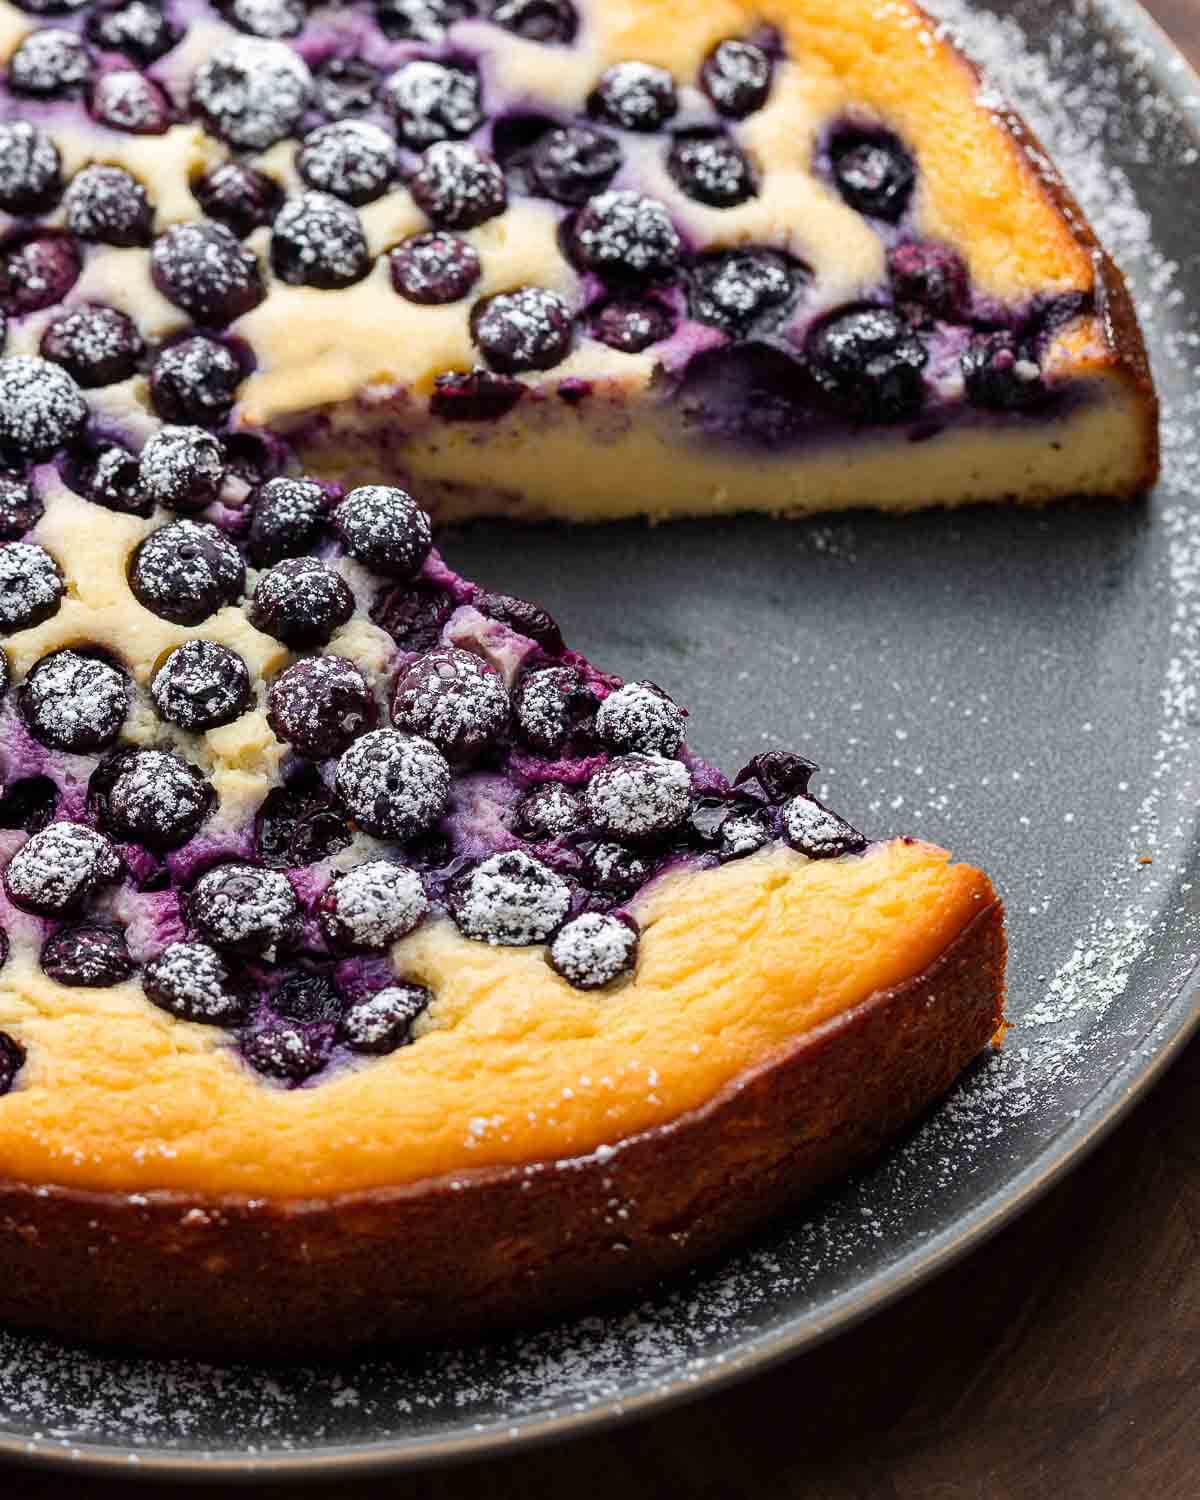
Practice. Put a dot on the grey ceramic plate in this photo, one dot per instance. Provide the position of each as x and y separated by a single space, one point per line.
1024 688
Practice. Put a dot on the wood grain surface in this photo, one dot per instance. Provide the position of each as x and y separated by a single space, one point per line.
1061 1361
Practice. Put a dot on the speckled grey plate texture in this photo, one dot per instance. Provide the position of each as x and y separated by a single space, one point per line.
1024 688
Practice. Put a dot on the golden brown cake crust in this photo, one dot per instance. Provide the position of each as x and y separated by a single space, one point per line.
494 1248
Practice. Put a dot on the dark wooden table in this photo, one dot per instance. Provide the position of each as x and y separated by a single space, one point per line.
1060 1361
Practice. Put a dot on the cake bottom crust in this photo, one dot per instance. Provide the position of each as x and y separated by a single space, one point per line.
494 1249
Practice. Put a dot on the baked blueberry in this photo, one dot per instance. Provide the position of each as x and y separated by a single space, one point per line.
252 92
874 173
711 168
274 19
475 395
321 705
614 871
345 86
203 269
929 280
74 702
529 329
382 1022
573 163
286 1050
454 699
869 363
49 63
530 620
631 326
12 1060
434 268
640 718
97 346
736 76
56 870
242 909
743 831
457 186
128 100
150 797
548 705
373 905
537 20
138 29
31 587
780 773
193 982
107 474
383 527
735 289
622 234
20 509
594 950
433 101
187 571
635 96
413 614
87 956
30 170
817 832
421 20
1002 374
201 685
182 468
307 997
29 804
351 159
393 785
286 517
301 602
299 824
195 381
36 271
511 900
239 197
548 812
108 205
639 797
317 240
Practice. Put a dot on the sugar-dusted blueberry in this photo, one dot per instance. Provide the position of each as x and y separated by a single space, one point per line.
321 705
373 905
510 899
548 812
203 269
530 620
548 705
929 280
382 1022
537 20
127 100
307 997
286 518
383 527
394 785
20 509
434 268
735 289
285 1050
528 329
421 20
458 186
49 63
1001 373
30 169
477 395
108 205
413 614
107 474
29 804
817 832
192 982
274 19
150 797
31 587
74 702
874 173
743 831
12 1060
317 240
453 698
98 346
614 871
711 168
869 363
574 163
624 235
37 270
56 870
433 101
252 92
139 29
187 571
301 601
239 197
345 86
635 96
245 910
182 468
299 824
640 718
201 685
352 159
736 76
195 380
87 955
780 773
595 949
637 797
631 326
